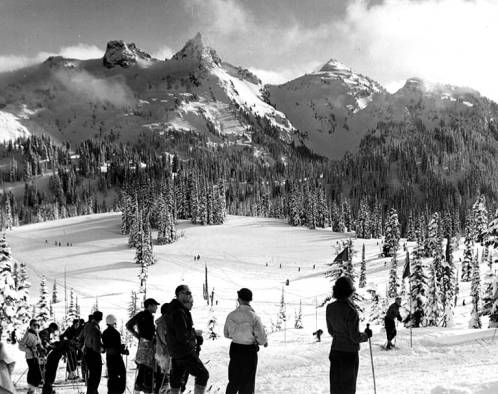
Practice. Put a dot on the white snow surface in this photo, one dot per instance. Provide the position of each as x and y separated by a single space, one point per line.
11 128
99 264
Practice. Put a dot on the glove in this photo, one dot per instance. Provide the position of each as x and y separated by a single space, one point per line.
368 332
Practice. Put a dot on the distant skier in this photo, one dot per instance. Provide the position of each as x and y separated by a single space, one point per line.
31 345
92 351
116 371
182 344
343 325
145 333
318 334
247 333
390 325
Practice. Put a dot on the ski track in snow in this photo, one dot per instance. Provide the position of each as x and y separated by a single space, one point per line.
99 264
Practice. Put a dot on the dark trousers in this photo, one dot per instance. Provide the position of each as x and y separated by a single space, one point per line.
34 372
51 365
93 361
144 380
116 373
343 372
390 328
191 365
71 359
242 369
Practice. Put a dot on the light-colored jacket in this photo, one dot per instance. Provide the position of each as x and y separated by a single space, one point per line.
244 327
30 344
163 357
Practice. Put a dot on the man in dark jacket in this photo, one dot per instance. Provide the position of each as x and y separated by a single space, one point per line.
142 327
92 352
390 325
343 324
71 336
181 339
116 371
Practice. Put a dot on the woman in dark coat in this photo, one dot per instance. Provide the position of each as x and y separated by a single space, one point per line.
343 324
116 371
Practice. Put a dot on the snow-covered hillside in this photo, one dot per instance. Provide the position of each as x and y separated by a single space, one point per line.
262 254
11 128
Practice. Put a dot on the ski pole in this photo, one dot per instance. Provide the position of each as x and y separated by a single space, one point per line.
372 361
17 381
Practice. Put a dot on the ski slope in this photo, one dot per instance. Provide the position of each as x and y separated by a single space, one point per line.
248 252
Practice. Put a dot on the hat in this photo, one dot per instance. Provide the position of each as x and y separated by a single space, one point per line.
110 320
245 294
150 301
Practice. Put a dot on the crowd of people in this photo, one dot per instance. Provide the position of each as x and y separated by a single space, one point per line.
167 353
168 347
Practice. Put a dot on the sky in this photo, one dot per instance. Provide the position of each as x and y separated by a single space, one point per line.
448 41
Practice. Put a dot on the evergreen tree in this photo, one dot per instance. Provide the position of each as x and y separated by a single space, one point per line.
377 310
363 269
480 219
282 316
391 242
448 284
393 278
72 312
363 226
411 231
9 297
433 241
43 304
492 232
488 298
23 313
418 281
298 322
55 300
467 256
475 289
434 309
132 306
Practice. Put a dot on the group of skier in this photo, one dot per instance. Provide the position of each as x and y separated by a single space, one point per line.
167 353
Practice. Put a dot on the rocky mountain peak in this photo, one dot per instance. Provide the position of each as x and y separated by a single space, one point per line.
335 66
196 51
119 53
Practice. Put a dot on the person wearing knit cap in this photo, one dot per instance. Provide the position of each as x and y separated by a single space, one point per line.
247 333
116 371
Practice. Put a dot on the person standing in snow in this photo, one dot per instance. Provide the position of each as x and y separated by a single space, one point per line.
92 352
116 371
247 333
6 368
71 336
145 331
389 324
163 358
182 343
31 345
343 325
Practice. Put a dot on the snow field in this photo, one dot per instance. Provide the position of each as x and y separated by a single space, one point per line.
99 264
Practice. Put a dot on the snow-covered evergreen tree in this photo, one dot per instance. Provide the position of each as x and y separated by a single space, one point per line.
55 300
363 225
298 321
43 304
72 312
418 282
432 242
363 269
475 293
23 314
492 232
488 299
9 297
467 256
392 290
282 315
392 234
132 306
448 284
480 219
411 230
434 308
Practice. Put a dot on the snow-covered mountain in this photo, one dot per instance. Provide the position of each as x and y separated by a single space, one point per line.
325 106
128 92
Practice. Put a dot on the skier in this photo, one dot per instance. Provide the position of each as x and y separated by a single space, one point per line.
181 341
31 345
116 371
57 350
389 324
6 368
71 336
47 336
246 331
81 345
145 331
343 325
318 333
163 358
92 352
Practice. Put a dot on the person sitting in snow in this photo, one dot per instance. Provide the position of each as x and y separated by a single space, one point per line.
390 325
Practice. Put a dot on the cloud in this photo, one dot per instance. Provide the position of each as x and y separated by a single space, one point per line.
280 76
449 41
79 51
163 53
114 90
